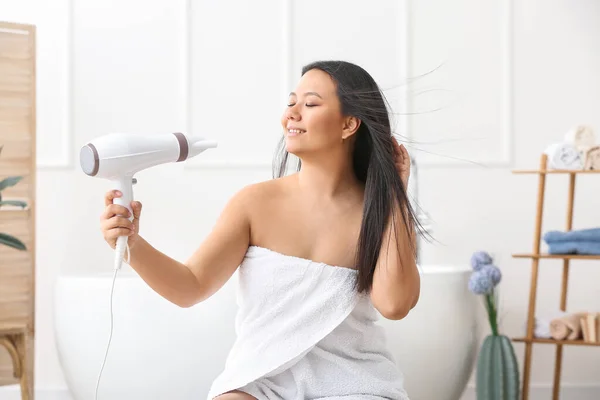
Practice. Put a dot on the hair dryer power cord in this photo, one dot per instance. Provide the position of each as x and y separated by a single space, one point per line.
111 323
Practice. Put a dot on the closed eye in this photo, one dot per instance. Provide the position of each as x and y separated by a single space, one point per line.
307 105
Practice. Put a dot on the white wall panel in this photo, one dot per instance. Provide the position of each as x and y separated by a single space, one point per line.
237 70
129 67
370 34
461 95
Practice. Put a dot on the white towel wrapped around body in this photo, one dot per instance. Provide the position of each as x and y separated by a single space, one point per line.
563 156
304 333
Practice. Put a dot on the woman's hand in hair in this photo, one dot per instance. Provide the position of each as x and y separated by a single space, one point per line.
402 162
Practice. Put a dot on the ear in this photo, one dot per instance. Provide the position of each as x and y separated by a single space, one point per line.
351 125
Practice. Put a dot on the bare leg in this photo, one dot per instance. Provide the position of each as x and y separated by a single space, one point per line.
235 395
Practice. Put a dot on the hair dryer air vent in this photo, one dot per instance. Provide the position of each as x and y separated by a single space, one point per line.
88 158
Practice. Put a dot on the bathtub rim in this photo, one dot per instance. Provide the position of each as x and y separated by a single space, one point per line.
427 269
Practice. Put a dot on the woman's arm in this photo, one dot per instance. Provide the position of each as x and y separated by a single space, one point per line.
209 267
396 281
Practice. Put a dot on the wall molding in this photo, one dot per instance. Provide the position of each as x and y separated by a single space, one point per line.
404 55
506 158
65 160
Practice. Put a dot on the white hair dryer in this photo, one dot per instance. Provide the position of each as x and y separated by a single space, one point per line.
118 156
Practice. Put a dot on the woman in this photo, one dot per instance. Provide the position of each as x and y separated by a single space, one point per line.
319 251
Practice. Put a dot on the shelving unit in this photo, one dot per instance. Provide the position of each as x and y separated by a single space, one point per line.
529 340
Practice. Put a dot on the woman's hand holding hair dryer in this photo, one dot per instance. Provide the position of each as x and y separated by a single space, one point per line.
115 222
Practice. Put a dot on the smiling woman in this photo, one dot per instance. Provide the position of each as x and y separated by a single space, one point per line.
339 113
320 253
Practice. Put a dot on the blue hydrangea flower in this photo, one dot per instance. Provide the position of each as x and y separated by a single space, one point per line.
493 272
480 283
479 259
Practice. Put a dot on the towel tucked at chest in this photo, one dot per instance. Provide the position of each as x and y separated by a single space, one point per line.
304 333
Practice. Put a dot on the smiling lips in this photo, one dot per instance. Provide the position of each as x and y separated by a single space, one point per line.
295 132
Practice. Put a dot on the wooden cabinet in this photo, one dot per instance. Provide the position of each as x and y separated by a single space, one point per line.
18 158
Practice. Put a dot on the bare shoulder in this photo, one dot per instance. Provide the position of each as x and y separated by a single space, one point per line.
259 196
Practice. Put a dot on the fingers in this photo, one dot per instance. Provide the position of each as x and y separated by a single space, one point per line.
401 153
400 150
117 222
110 196
405 156
115 209
396 146
115 227
113 234
136 206
404 151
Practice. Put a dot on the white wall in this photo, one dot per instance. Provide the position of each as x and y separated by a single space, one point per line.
554 63
512 80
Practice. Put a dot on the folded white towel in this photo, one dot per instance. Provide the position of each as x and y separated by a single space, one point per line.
304 333
542 328
563 156
582 137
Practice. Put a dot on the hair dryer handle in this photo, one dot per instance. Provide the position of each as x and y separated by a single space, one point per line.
125 186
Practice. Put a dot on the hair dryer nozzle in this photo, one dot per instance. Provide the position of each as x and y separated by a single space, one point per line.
198 145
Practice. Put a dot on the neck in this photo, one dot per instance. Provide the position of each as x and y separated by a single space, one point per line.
327 177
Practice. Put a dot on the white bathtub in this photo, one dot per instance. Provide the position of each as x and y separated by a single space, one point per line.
160 351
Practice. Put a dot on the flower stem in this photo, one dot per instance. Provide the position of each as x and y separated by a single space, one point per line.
492 313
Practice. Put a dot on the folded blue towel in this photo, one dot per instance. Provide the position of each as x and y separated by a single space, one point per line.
575 247
588 235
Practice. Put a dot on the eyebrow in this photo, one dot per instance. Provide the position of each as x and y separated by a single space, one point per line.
308 93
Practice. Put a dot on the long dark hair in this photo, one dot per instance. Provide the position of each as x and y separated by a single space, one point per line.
373 162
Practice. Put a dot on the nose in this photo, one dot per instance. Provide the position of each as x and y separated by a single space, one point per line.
292 114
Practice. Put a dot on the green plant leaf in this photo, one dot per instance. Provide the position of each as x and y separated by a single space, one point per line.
10 181
12 241
17 203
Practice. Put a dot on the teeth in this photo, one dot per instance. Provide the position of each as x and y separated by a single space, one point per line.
295 131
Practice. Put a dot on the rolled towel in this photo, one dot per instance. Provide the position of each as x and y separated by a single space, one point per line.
582 137
566 327
592 159
541 324
564 156
586 235
574 247
541 328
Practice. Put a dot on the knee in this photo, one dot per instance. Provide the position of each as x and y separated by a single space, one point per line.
235 395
